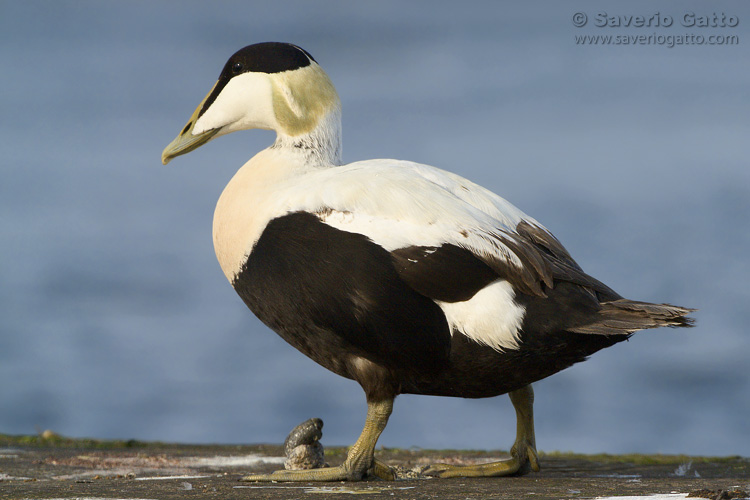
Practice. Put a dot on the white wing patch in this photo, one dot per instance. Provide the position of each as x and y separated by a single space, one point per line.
491 317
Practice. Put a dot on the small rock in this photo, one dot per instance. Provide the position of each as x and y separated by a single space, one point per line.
415 472
302 447
305 456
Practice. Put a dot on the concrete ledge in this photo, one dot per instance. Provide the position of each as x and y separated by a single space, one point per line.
49 466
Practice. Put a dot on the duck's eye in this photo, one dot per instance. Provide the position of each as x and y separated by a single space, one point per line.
237 68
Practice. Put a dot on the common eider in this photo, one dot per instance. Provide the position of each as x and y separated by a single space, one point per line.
403 277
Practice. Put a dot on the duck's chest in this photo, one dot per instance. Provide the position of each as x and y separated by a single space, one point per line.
255 195
238 222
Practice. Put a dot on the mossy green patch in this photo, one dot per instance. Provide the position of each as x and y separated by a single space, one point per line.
51 439
638 458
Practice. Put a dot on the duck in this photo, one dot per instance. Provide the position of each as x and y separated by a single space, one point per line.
403 277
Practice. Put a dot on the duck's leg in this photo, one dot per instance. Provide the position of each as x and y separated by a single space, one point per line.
359 462
523 454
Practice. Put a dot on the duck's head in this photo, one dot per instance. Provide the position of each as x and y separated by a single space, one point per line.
272 86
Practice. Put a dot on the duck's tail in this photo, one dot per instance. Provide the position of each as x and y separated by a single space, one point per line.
625 317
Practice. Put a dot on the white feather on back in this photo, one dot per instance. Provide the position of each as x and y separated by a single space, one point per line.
398 204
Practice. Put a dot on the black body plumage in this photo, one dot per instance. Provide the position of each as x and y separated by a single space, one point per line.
336 296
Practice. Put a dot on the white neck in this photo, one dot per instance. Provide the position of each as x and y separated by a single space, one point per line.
319 147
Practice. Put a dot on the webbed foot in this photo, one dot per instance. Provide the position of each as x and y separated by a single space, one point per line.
524 457
341 473
519 463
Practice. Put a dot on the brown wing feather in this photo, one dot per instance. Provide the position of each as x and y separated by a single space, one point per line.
451 273
544 261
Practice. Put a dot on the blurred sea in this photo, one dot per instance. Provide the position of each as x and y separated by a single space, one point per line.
116 321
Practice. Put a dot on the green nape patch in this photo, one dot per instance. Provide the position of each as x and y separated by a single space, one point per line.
52 439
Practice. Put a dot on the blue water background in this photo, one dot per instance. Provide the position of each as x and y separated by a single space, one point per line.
116 321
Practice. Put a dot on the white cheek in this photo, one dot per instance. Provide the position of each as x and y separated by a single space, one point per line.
245 102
